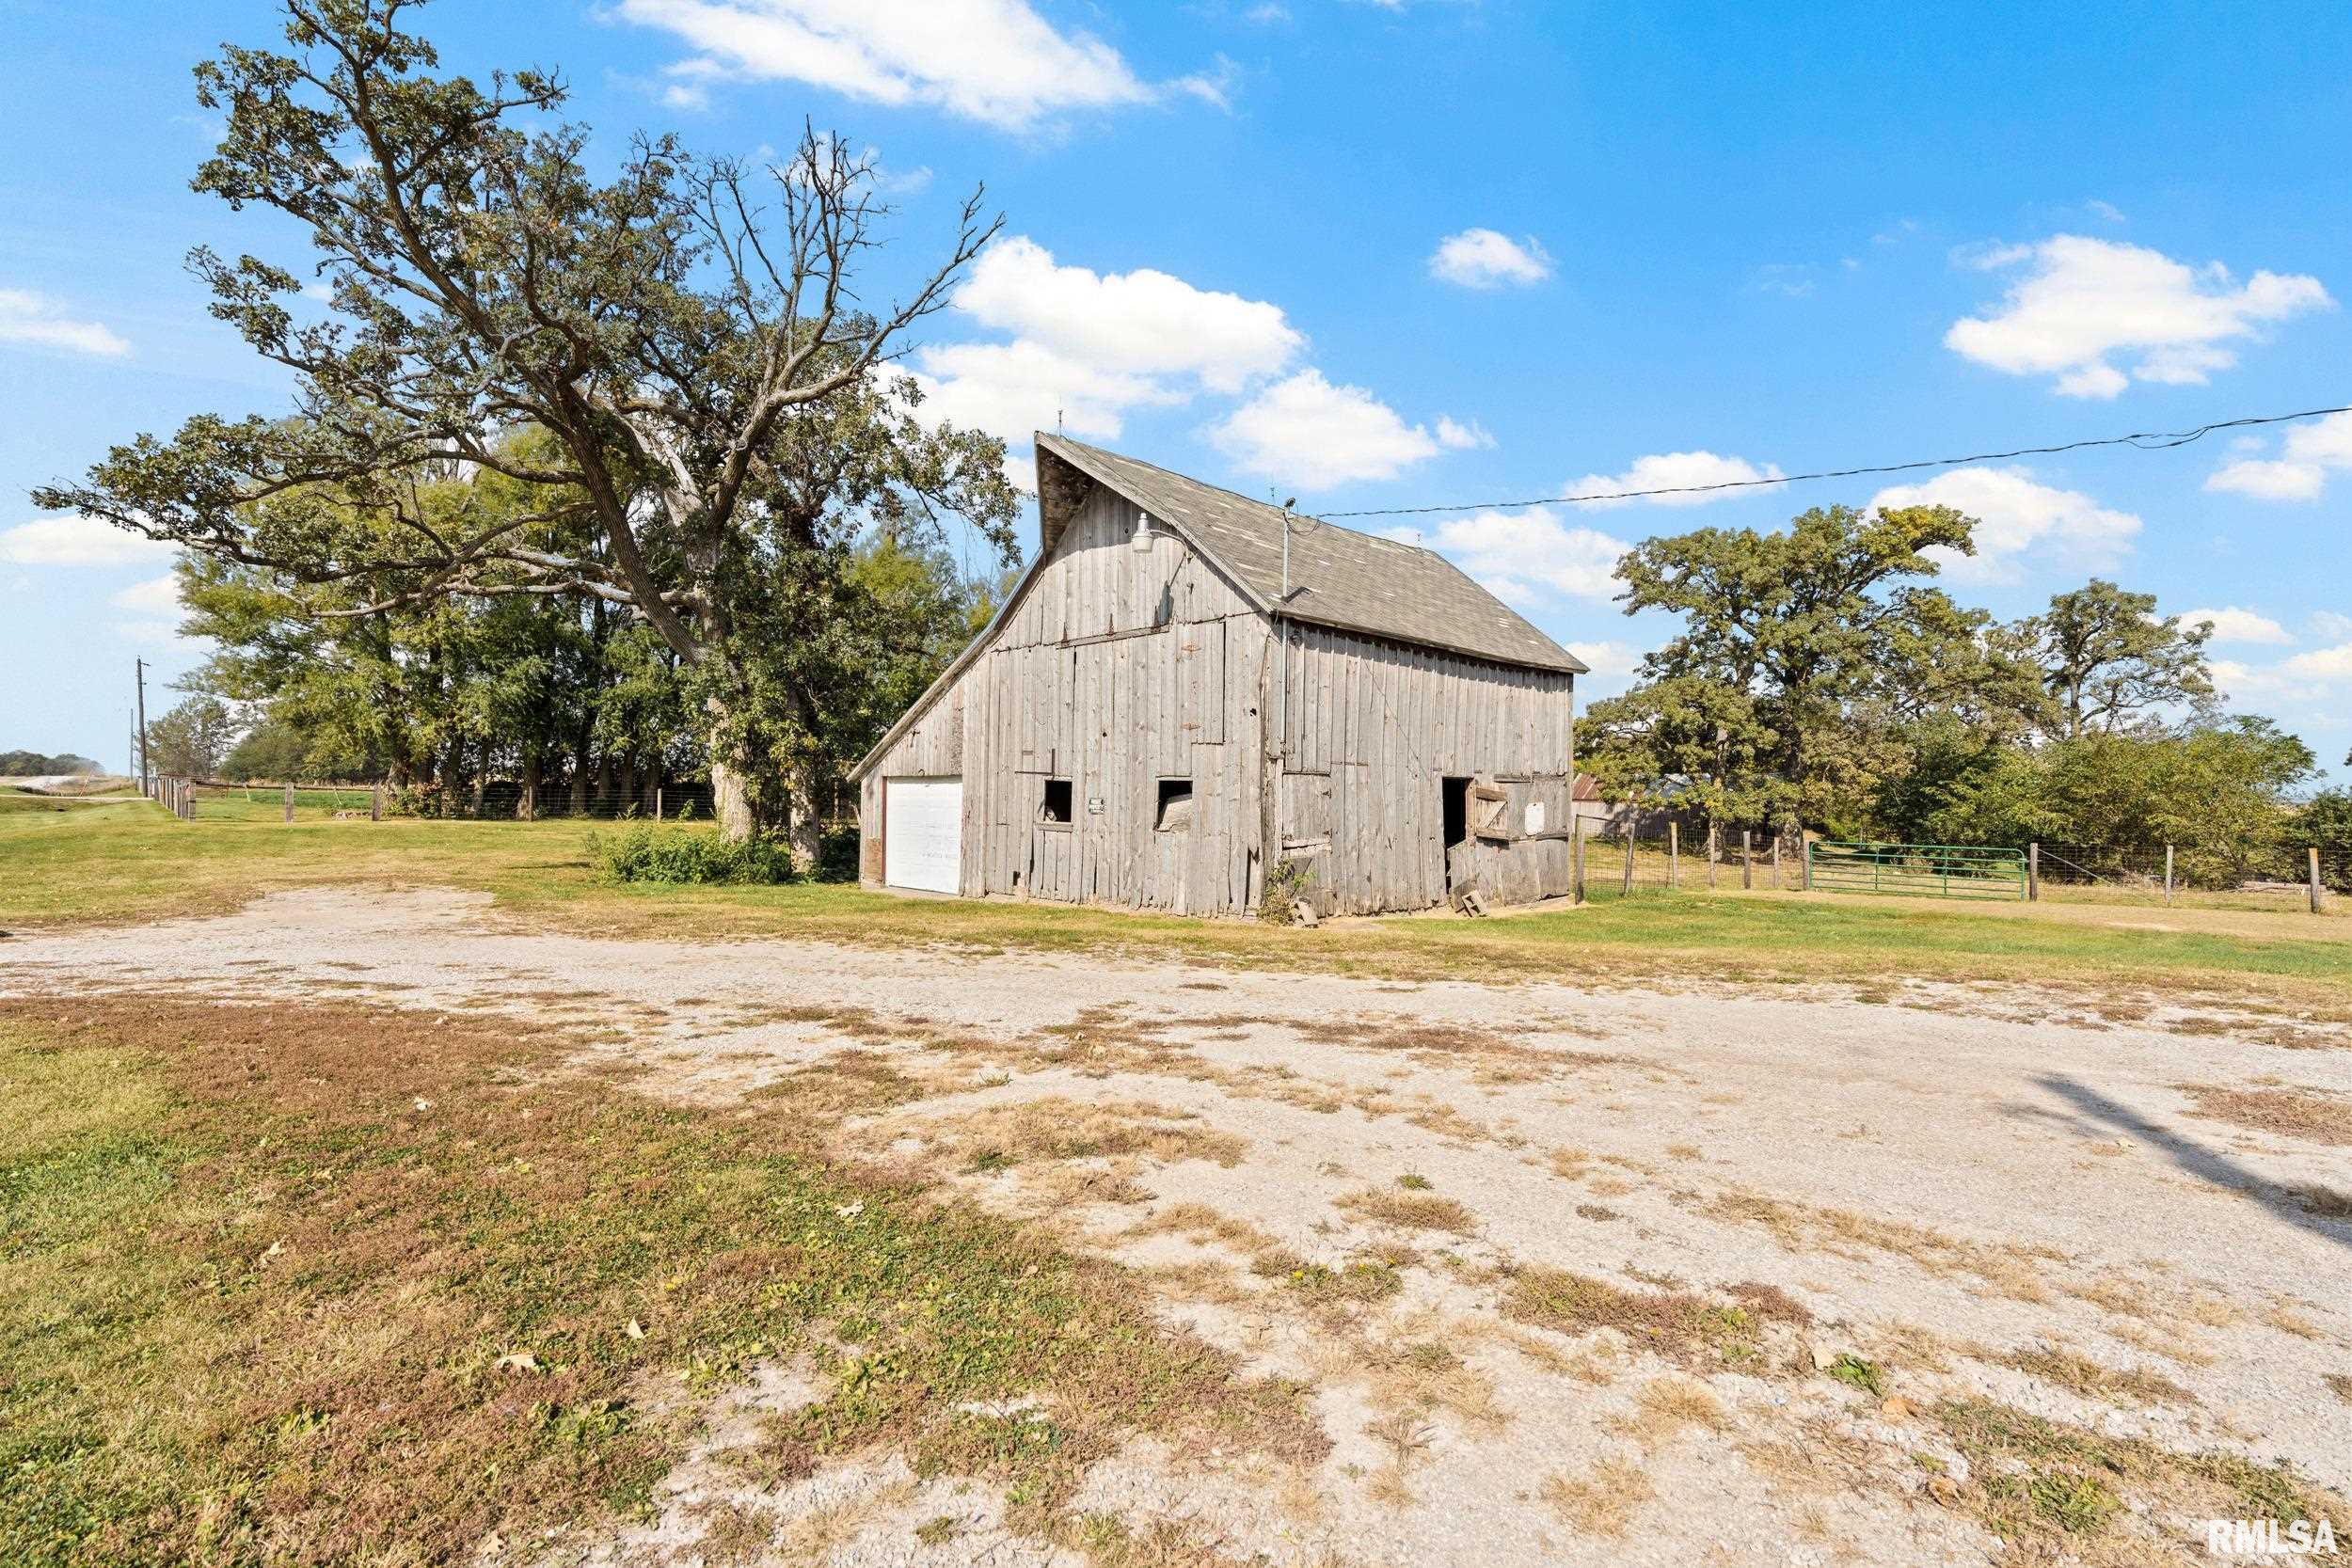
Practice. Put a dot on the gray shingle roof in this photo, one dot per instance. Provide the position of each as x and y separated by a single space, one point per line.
1339 578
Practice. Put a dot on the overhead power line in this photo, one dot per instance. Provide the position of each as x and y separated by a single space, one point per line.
2146 440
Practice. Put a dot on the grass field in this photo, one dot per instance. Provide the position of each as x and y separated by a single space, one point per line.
130 862
326 1285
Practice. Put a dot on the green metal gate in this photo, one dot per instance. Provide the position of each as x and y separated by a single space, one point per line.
1924 870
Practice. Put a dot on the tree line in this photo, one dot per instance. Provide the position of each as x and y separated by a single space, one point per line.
1819 680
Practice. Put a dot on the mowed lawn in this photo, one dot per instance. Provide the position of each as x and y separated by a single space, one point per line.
131 862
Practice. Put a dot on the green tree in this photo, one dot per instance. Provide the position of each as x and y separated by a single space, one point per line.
717 411
191 739
1763 705
2109 662
2219 791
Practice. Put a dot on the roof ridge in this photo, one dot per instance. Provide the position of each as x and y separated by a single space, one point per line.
1223 490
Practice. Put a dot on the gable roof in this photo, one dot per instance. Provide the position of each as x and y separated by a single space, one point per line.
1339 578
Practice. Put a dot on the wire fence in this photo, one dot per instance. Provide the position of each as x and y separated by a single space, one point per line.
1638 858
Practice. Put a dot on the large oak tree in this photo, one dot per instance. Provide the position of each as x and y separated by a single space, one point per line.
674 360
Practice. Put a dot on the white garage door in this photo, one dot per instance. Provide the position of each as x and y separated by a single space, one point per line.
923 833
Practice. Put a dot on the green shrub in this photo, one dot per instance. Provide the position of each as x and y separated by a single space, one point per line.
647 853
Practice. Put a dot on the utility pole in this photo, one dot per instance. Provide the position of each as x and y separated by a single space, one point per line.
138 667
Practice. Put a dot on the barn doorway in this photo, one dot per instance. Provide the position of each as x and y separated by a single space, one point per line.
1457 811
1456 796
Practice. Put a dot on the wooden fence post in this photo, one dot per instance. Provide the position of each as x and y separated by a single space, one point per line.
2167 875
1747 859
1777 860
1674 854
657 803
1628 862
2033 871
2315 854
1576 847
376 802
1714 851
1806 847
290 803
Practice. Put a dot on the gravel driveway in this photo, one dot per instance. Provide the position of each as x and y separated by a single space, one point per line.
2094 1210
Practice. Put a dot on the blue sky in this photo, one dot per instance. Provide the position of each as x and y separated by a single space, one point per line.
1426 252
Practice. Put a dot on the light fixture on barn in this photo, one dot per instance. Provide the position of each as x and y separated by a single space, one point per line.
1142 540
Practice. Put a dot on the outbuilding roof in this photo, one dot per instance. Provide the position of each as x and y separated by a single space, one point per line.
1339 576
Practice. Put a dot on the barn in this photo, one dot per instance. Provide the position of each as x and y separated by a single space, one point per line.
1189 687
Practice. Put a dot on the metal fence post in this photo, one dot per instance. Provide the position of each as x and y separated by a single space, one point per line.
1674 854
2315 855
290 803
1747 859
2033 872
2167 875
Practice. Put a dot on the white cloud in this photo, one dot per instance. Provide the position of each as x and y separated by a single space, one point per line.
2326 665
2299 473
1485 259
28 317
2107 210
1010 389
2326 623
78 541
1305 430
1677 472
1089 348
2082 300
1143 322
154 596
2015 514
2233 625
1524 556
996 61
1609 660
1463 437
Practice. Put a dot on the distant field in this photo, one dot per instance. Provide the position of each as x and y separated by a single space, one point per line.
131 861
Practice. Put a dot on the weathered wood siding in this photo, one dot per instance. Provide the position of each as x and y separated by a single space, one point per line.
1374 728
1118 669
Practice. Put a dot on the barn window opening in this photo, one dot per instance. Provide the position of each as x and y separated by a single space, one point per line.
1056 807
1175 805
1456 812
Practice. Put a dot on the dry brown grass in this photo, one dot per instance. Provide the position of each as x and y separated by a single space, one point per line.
2313 1115
2081 1375
1748 1332
1059 1128
1409 1210
849 1082
1664 1406
2011 1269
1603 1501
2328 1203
